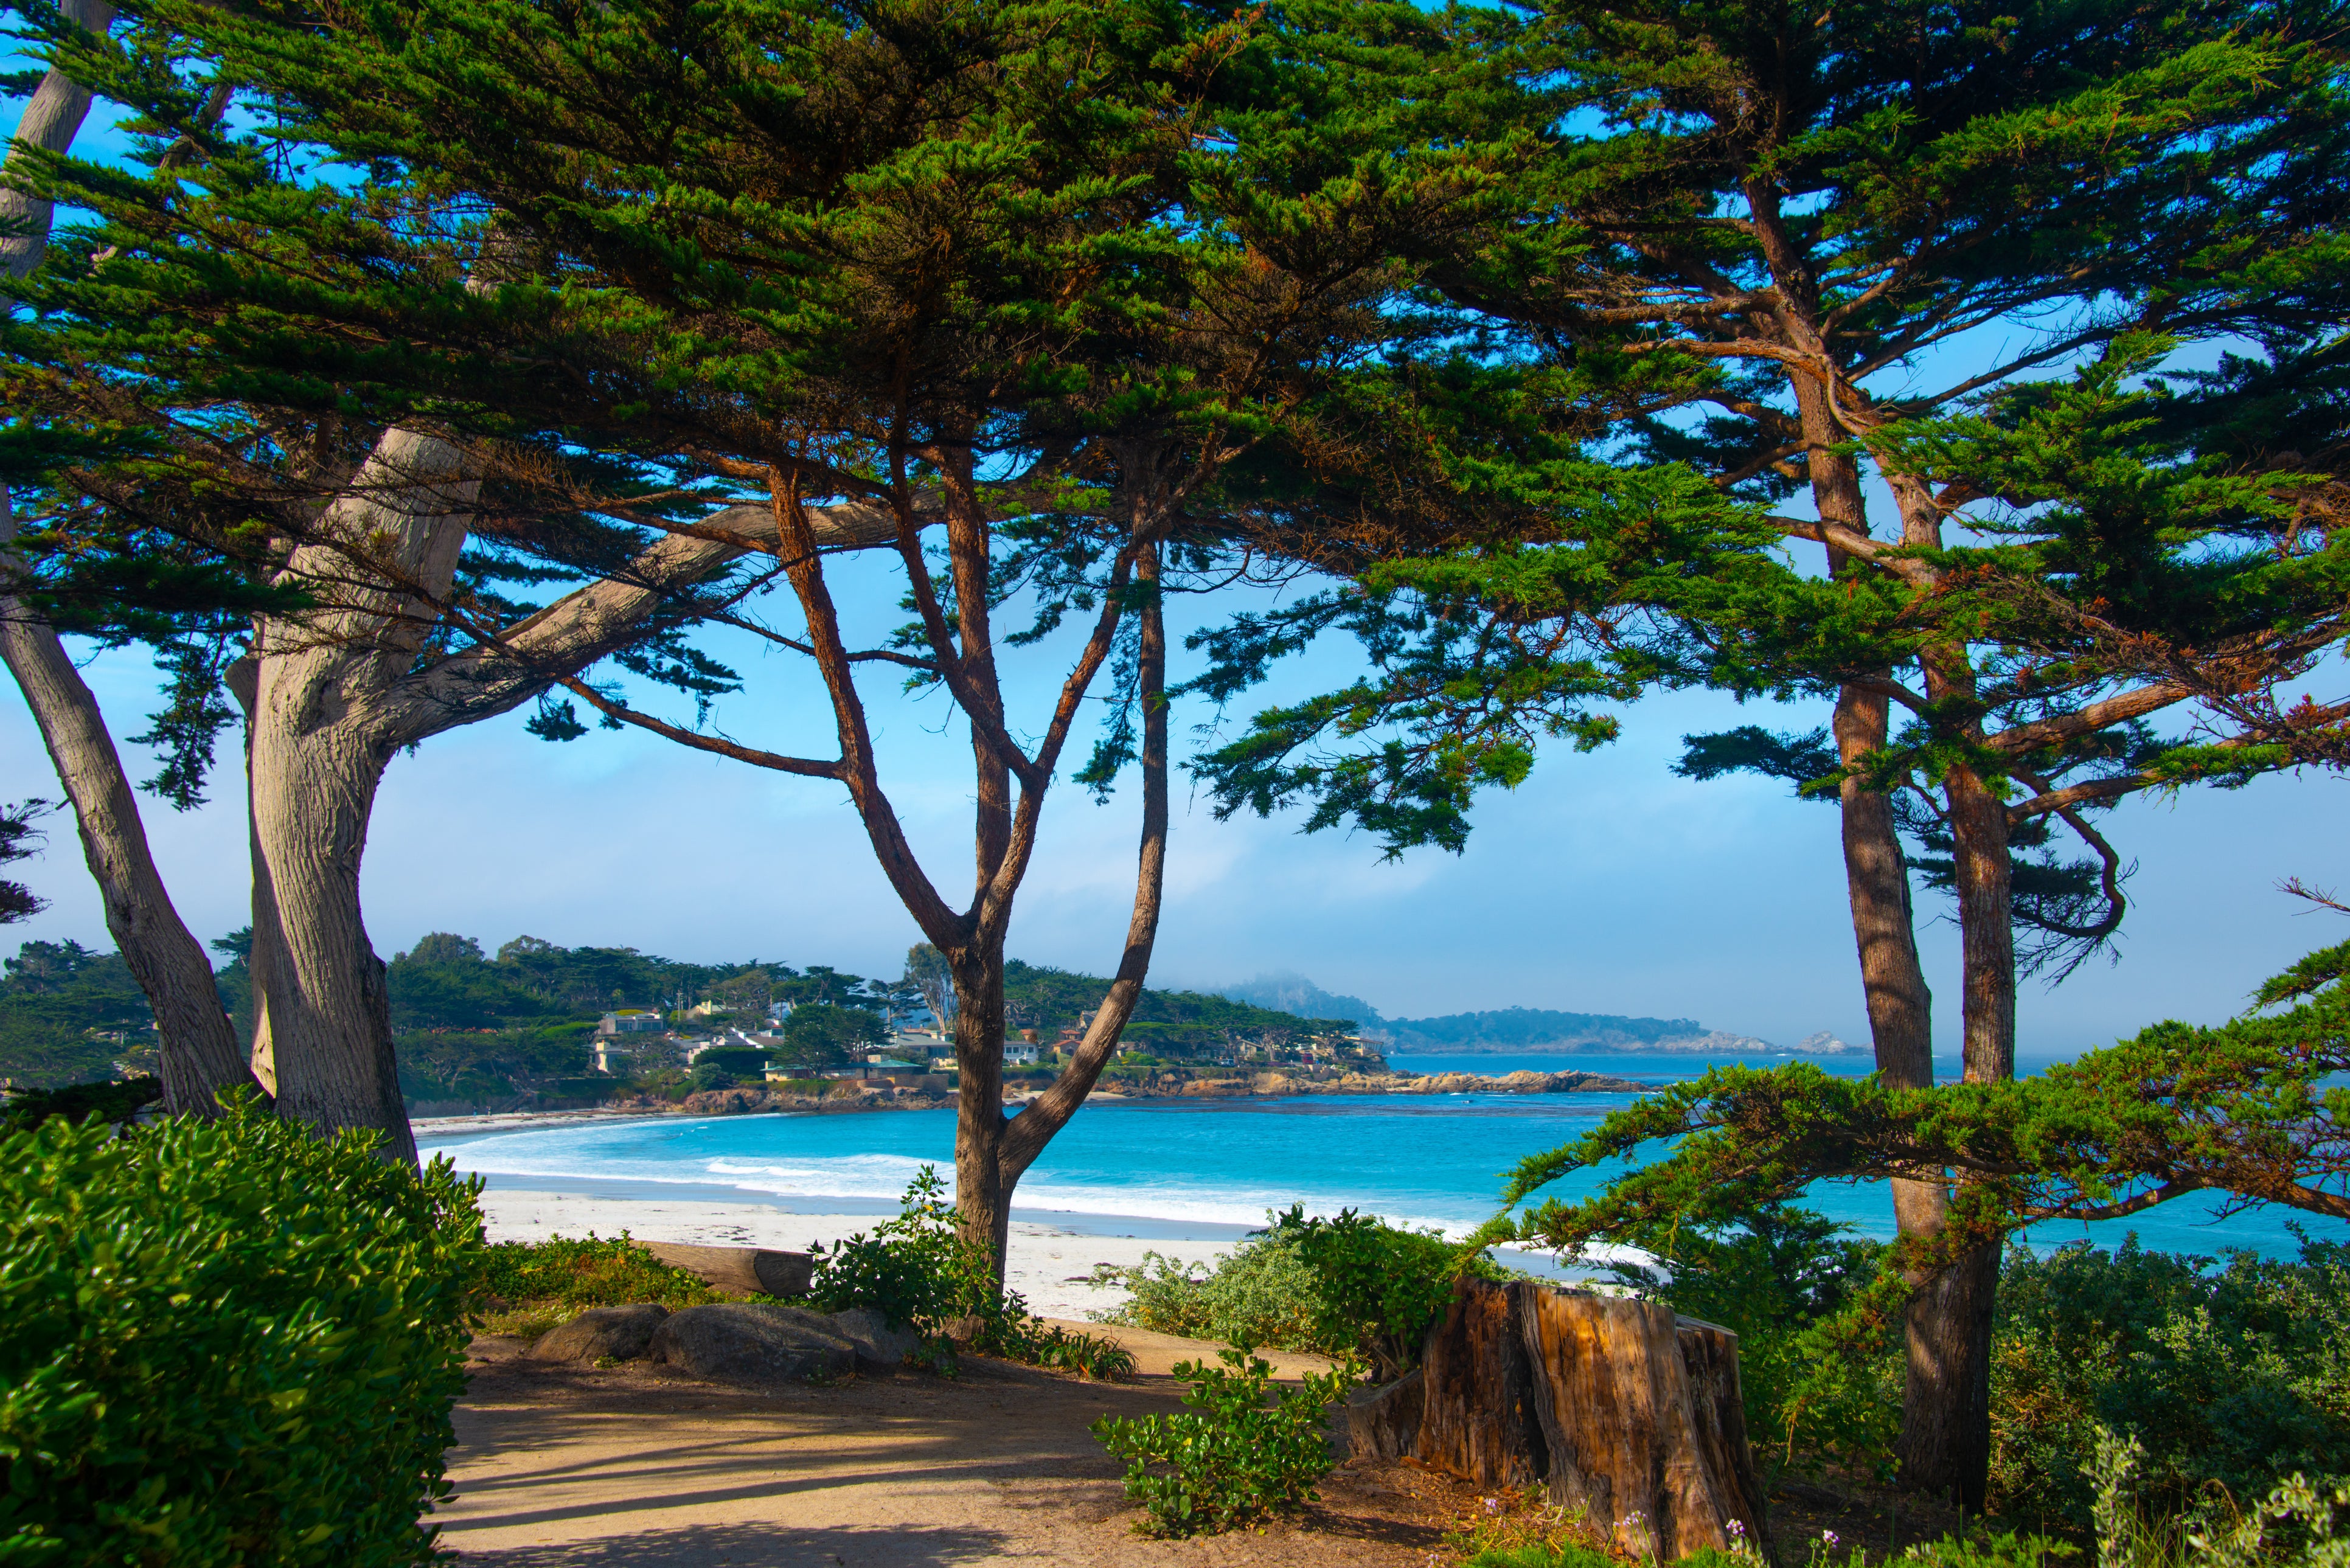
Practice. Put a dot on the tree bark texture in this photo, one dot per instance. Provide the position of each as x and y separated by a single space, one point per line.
1949 1321
1622 1410
201 1057
317 756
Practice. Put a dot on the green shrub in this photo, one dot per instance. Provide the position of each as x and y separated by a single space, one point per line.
228 1343
2229 1375
919 1272
1235 1459
1777 1277
529 1287
1379 1289
1261 1294
1353 1286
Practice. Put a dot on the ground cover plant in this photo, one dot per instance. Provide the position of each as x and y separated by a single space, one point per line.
230 1342
1243 1451
529 1287
920 1270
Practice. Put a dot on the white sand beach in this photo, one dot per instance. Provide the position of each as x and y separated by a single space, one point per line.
1048 1266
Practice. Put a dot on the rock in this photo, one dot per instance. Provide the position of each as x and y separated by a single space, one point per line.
1383 1423
879 1347
754 1342
621 1333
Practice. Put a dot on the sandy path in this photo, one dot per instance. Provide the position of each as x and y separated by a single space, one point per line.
634 1468
1048 1266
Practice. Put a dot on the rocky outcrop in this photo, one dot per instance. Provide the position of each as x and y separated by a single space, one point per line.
754 1342
622 1332
879 1347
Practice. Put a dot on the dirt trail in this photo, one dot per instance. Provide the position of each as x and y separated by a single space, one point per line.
638 1467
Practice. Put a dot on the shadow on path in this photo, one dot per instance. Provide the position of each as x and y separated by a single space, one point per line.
751 1546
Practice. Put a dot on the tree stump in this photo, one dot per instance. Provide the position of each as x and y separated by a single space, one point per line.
751 1271
1619 1407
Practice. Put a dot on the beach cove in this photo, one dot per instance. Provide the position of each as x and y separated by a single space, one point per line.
1187 1177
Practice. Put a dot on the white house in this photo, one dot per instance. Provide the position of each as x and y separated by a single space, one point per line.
1020 1054
632 1021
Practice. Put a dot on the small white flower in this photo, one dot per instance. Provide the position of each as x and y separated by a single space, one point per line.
1829 1537
1738 1527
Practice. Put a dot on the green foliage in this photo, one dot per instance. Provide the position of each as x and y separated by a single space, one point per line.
1261 1294
919 1272
19 840
1982 1549
1236 1457
1780 1278
68 1014
2297 1525
1352 1287
2229 1377
487 1064
2252 1108
1378 1288
589 1271
1049 1000
822 1034
229 1342
114 1101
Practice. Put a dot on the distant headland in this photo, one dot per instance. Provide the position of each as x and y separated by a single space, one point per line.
1517 1030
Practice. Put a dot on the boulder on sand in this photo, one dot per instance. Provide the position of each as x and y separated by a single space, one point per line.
879 1347
621 1333
754 1342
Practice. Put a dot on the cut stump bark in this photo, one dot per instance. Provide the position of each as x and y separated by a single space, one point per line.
752 1270
1619 1407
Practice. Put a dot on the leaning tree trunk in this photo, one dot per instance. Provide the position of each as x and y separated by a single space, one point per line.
1618 1407
199 1050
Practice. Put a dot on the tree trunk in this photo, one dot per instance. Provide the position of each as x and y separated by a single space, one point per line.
317 742
983 1197
199 1050
1950 1318
1621 1409
320 1006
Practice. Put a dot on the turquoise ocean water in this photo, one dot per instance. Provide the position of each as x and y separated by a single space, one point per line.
1162 1167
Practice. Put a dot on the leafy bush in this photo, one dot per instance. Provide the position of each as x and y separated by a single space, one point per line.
919 1272
1379 1289
1352 1287
229 1342
1236 1459
529 1287
2231 1376
1261 1294
2297 1525
1778 1277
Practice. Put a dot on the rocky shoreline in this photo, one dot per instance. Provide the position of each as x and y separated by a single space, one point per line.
1170 1086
